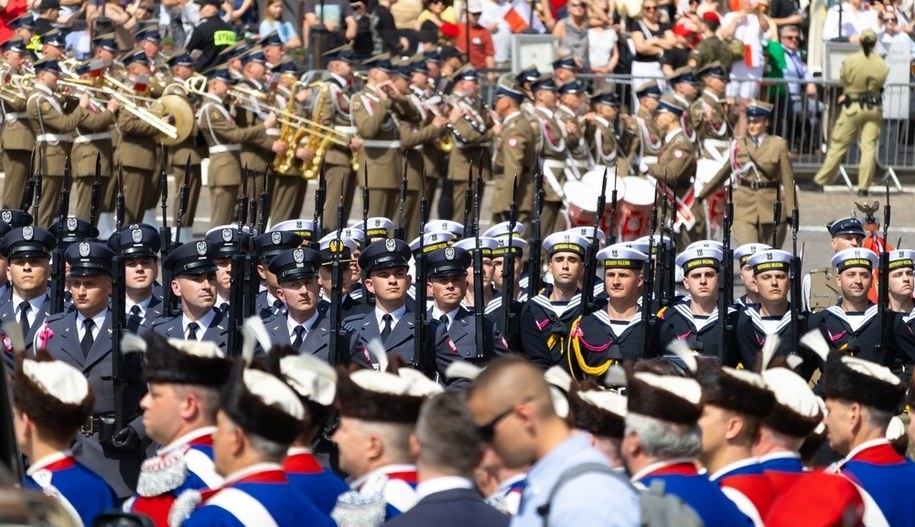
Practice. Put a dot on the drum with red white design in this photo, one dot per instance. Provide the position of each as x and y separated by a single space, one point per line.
715 203
635 208
581 197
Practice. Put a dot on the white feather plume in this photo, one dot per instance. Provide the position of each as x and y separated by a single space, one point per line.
254 332
462 369
815 341
376 349
793 361
131 343
681 349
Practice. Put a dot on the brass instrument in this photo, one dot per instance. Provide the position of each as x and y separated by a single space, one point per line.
182 116
16 89
291 135
318 145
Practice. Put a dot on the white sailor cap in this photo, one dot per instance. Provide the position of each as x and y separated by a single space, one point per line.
854 257
311 378
349 246
770 260
432 241
589 232
58 380
797 410
307 229
619 256
699 257
706 244
900 258
487 245
502 248
456 229
745 251
377 227
655 242
501 229
566 241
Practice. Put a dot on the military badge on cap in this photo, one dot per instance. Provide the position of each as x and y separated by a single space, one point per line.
7 216
336 246
72 224
136 235
298 255
390 245
449 253
201 248
84 249
276 237
227 235
28 233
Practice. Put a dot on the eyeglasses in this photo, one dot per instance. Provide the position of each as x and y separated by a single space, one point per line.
488 431
791 37
649 8
890 20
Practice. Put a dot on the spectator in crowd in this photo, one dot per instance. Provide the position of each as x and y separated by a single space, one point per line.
211 36
503 18
385 35
749 25
48 11
123 21
855 17
551 11
482 52
430 21
241 13
686 36
651 38
572 32
337 17
763 7
786 13
9 10
603 53
892 31
178 18
708 6
689 10
272 23
803 108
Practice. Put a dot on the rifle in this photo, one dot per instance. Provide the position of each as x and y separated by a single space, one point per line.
611 227
320 200
726 276
340 355
263 205
425 354
399 231
648 285
660 261
36 206
587 290
533 263
252 202
239 271
671 254
182 201
883 289
28 195
776 215
508 265
169 303
478 301
96 196
365 224
164 234
58 267
795 275
468 198
118 312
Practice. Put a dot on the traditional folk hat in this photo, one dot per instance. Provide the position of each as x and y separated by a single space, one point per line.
665 397
797 411
862 381
175 361
263 405
52 392
601 412
740 391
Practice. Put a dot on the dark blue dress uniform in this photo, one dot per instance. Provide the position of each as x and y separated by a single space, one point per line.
452 508
267 246
230 242
193 258
94 447
140 241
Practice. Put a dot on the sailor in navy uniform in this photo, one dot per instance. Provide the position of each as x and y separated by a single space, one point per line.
259 417
51 400
547 318
306 229
694 320
268 245
391 322
139 246
499 232
742 254
871 394
349 305
599 239
193 282
495 308
851 325
447 272
487 245
315 382
304 327
615 333
179 413
28 251
229 242
81 338
771 316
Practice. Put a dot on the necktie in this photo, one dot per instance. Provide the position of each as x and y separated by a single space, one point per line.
386 328
445 320
192 331
135 318
224 307
277 307
86 342
24 308
299 337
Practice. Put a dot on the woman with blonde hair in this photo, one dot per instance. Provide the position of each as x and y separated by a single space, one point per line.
650 39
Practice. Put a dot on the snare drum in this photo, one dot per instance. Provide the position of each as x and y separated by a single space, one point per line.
717 201
581 203
594 179
635 209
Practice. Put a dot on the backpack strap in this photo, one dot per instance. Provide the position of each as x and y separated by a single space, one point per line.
570 473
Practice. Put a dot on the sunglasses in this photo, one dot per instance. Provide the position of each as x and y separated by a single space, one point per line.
576 5
649 8
791 37
488 431
890 20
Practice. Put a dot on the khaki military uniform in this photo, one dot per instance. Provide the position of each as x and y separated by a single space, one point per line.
53 131
256 152
603 143
377 122
136 155
579 160
93 140
340 178
554 152
224 139
862 78
516 152
17 142
675 169
708 114
419 140
194 147
819 289
761 169
471 143
646 143
287 188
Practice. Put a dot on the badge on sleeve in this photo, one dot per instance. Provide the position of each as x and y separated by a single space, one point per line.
513 142
678 153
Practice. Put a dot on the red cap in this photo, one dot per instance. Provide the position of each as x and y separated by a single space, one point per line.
449 30
711 16
836 502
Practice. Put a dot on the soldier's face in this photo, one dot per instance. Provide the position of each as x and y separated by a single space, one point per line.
702 283
846 241
448 291
29 275
545 97
162 412
854 283
716 84
900 282
622 284
197 291
772 285
749 281
274 53
223 275
497 267
300 295
90 293
757 127
649 103
140 273
389 285
150 48
566 269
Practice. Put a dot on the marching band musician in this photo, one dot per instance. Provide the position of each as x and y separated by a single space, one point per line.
553 149
193 147
603 138
709 114
516 150
224 138
231 58
568 113
148 39
53 130
137 150
93 141
53 45
16 138
334 111
287 189
420 91
106 47
647 142
470 135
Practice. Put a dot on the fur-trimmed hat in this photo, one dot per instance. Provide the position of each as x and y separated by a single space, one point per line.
601 412
382 396
263 405
796 412
741 391
862 381
52 393
184 362
664 397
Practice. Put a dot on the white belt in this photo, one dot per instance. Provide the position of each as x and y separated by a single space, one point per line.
219 149
12 116
91 137
716 143
650 160
554 164
53 139
273 132
372 143
347 130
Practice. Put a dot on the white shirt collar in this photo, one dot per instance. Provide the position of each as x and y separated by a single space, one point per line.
670 135
435 485
187 438
452 315
48 460
292 324
396 315
34 304
204 323
144 305
98 319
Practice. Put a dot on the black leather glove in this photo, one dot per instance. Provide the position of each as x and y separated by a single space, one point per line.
126 438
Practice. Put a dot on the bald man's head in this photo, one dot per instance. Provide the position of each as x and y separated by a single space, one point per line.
509 381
